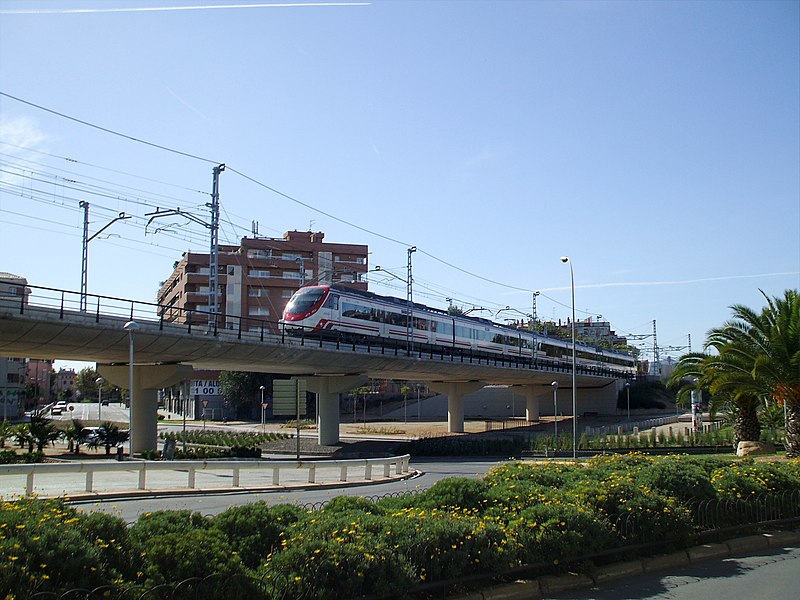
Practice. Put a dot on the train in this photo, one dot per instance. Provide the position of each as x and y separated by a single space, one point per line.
340 312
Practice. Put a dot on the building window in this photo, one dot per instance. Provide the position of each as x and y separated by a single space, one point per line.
258 311
291 275
259 273
286 294
251 253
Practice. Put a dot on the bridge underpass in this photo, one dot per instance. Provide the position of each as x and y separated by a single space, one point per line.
165 353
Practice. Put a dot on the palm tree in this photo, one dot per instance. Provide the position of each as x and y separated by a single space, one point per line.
110 434
75 436
41 432
756 360
778 329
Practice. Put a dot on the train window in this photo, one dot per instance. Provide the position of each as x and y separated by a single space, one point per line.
332 302
304 300
355 311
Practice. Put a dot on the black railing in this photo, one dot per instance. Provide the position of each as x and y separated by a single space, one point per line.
67 304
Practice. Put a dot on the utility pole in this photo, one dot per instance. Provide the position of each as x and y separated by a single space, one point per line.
213 261
85 253
213 258
533 328
656 356
410 300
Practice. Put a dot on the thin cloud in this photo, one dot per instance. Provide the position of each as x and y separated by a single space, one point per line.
187 105
72 11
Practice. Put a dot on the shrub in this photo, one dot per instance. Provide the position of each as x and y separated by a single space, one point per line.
255 530
747 479
175 557
110 534
460 492
352 503
677 476
546 474
44 549
556 533
641 514
162 522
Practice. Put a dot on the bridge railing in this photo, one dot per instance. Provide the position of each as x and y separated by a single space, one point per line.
87 477
63 304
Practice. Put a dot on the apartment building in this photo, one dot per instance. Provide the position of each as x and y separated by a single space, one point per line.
257 278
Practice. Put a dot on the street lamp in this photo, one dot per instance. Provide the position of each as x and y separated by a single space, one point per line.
628 392
555 411
99 381
131 327
565 259
263 421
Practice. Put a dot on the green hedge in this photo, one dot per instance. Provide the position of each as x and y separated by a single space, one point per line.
518 514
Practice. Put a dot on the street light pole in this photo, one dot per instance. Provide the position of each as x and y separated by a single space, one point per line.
555 412
131 327
628 392
100 381
263 420
565 259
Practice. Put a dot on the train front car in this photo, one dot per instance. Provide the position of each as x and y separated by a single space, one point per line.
303 312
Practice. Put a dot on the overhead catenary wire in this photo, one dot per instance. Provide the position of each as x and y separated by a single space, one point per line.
273 190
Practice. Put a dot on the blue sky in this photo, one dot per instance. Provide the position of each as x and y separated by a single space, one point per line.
655 143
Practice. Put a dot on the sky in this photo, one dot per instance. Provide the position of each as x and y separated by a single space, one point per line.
657 144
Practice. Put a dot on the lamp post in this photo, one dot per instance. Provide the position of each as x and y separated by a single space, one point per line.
263 408
99 381
565 259
131 327
555 412
628 392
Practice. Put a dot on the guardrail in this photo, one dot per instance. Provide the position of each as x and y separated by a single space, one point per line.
53 303
222 474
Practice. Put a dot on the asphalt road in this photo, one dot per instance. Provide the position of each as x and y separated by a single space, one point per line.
213 503
768 575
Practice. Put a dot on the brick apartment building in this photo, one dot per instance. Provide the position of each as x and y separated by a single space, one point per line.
257 278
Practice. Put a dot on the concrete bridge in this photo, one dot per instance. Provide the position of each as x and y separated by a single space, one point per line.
48 323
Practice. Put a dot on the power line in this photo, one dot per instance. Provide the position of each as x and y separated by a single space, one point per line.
279 193
111 131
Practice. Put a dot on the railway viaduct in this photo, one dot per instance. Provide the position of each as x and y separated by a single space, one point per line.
47 325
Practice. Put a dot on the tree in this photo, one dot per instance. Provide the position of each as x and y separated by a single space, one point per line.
240 388
756 359
75 435
41 432
110 435
86 384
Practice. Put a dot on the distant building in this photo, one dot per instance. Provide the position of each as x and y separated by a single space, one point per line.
64 382
39 374
597 333
12 387
257 278
13 293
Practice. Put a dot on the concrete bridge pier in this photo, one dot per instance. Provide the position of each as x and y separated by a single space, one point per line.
533 396
147 380
327 390
455 392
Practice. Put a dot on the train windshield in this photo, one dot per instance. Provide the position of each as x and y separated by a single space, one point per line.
304 300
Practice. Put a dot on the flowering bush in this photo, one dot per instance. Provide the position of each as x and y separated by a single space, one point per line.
520 513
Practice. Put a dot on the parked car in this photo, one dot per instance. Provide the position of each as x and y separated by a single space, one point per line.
91 435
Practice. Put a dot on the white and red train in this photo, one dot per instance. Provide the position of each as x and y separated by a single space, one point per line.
347 313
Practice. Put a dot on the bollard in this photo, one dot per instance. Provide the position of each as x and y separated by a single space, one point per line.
120 453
